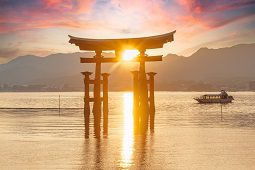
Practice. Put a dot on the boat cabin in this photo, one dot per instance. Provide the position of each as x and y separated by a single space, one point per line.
211 96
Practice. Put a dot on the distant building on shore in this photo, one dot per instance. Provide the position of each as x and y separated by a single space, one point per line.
252 85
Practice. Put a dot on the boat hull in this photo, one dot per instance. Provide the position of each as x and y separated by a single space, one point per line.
228 100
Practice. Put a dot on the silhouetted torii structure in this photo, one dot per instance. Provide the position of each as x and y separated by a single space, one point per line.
141 99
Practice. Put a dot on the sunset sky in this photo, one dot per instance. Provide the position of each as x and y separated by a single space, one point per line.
41 27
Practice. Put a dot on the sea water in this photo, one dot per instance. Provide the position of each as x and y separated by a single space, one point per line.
35 134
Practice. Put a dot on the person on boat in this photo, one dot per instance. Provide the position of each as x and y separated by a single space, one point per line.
223 94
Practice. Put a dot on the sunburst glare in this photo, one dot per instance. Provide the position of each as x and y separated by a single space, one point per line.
129 54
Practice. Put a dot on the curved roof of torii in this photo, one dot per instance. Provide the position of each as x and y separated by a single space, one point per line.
124 43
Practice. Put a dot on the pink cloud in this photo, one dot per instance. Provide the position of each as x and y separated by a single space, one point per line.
84 6
70 6
199 6
157 15
51 13
58 5
192 17
213 14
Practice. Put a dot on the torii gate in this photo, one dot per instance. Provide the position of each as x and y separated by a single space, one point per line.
141 109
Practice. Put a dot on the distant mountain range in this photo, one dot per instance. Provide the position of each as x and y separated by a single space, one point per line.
231 68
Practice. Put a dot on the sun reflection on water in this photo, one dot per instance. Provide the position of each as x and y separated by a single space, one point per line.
127 143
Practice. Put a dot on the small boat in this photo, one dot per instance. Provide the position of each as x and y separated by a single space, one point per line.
223 97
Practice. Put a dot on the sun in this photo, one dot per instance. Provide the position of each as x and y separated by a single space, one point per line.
129 54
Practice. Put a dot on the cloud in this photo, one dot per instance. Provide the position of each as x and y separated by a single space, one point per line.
69 6
16 16
84 6
214 14
194 16
137 15
143 15
115 18
206 6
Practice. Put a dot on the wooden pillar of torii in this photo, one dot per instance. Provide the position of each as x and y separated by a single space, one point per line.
97 99
144 106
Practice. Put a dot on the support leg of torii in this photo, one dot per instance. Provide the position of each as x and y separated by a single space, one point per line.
97 97
86 102
151 99
105 102
143 93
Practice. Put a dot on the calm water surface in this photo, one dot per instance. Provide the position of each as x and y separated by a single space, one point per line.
187 135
